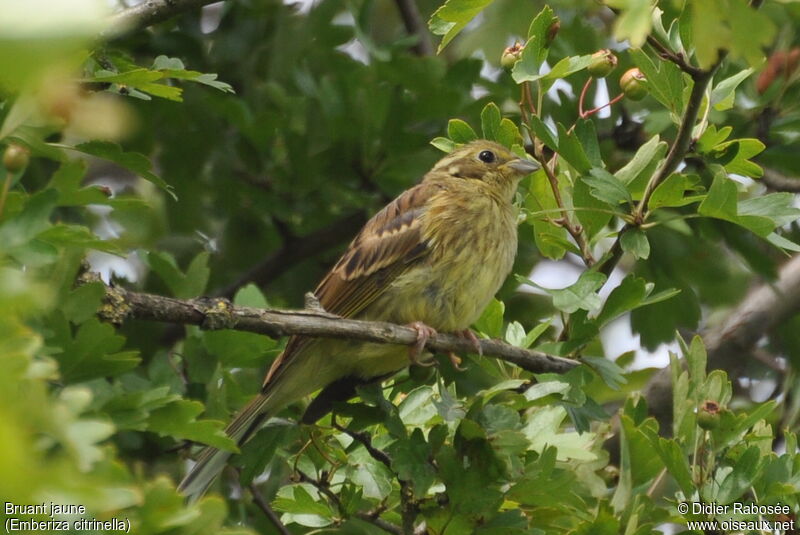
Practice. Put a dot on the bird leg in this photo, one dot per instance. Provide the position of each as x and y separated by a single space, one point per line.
424 332
468 335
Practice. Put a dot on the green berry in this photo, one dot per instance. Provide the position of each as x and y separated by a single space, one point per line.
602 63
16 158
634 84
511 55
708 415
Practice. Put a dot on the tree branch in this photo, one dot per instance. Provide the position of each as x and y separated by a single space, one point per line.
677 152
730 342
151 12
779 182
675 57
296 250
262 504
416 26
217 313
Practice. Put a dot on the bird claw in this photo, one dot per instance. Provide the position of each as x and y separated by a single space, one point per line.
455 360
470 336
424 332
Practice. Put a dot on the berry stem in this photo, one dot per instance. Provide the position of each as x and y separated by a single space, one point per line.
611 102
583 96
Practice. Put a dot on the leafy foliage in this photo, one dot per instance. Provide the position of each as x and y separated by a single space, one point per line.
246 144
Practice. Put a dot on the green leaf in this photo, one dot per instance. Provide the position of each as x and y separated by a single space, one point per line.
607 188
179 421
735 156
567 66
665 81
536 48
778 207
410 462
696 361
675 461
546 388
611 374
67 181
543 133
444 144
591 212
581 294
570 149
62 235
191 284
93 352
303 508
515 334
32 220
460 132
710 34
641 167
635 242
133 161
712 137
490 121
622 494
739 480
671 192
373 477
491 321
551 240
627 296
634 22
260 450
508 134
722 96
587 135
453 16
721 203
174 68
82 302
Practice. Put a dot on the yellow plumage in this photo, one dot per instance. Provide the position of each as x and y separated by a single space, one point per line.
437 254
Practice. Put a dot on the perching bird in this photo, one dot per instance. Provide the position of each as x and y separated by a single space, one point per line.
432 258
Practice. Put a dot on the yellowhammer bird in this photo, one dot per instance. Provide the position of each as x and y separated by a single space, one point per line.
433 258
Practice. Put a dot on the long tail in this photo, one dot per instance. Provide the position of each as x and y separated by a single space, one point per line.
211 461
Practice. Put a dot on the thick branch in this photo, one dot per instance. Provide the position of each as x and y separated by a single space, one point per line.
151 12
296 250
210 313
729 344
780 182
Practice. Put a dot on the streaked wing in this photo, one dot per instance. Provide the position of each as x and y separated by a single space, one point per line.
388 244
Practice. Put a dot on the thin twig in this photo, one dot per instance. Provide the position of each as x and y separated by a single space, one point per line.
574 230
151 12
365 440
675 57
262 504
677 152
416 26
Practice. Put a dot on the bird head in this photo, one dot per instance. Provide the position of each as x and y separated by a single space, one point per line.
487 162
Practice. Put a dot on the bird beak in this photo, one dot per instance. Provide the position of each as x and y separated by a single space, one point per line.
523 167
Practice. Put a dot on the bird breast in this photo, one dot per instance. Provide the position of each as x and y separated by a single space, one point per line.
472 240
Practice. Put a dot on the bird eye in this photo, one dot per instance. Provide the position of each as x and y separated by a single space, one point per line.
486 156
